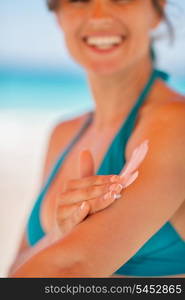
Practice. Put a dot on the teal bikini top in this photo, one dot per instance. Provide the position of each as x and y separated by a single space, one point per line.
163 254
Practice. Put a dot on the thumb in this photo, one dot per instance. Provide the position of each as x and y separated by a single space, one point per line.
86 164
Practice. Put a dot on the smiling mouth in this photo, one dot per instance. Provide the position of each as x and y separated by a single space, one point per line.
103 42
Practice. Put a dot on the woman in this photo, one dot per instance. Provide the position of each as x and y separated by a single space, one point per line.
141 233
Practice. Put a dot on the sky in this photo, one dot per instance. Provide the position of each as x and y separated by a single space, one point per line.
29 37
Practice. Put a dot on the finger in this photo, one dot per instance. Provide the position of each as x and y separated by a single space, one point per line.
91 181
78 195
65 211
100 203
86 164
80 213
77 217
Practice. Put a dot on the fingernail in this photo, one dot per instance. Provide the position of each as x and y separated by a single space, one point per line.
116 188
82 205
117 196
115 178
108 195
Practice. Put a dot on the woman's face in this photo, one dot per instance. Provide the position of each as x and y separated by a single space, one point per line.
107 36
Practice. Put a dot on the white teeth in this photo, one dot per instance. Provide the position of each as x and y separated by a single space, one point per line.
104 42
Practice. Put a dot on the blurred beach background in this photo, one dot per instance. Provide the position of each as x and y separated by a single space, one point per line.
40 86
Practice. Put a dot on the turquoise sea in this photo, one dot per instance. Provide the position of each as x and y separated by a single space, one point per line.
41 90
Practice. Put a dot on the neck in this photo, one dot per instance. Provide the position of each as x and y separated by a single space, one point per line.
115 95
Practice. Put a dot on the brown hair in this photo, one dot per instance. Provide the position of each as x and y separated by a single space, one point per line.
53 4
159 8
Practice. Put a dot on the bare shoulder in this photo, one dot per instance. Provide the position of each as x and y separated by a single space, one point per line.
62 131
170 117
166 104
174 106
59 137
164 124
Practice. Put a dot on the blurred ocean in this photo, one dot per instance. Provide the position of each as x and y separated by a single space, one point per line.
43 90
50 90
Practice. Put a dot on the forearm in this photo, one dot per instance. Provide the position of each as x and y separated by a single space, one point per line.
76 255
52 257
36 266
21 259
63 260
45 264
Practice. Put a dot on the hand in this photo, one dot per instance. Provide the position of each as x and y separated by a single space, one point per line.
84 196
92 193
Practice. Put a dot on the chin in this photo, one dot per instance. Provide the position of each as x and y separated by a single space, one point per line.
100 68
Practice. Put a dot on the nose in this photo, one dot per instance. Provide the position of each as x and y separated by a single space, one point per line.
100 13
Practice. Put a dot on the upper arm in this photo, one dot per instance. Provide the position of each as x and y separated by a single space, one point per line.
109 238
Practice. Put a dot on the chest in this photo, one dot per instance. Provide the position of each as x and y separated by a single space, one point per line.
70 169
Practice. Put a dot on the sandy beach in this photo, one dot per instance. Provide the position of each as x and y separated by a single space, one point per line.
23 139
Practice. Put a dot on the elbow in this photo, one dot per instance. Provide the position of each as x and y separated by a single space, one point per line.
75 270
82 269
